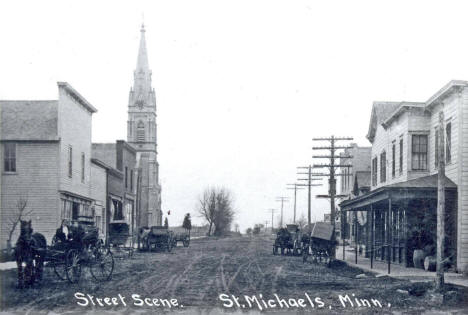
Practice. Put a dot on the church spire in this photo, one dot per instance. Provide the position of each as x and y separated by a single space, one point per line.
142 75
142 62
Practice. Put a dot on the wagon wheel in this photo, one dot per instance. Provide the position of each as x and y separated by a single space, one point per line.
60 270
73 265
169 245
102 264
305 253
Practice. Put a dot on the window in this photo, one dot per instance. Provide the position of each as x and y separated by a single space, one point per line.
9 157
131 180
70 159
393 159
126 177
374 171
141 132
82 167
436 147
401 156
383 167
419 152
448 143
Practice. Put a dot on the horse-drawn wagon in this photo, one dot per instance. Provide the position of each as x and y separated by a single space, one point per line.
183 237
120 237
288 240
156 237
319 242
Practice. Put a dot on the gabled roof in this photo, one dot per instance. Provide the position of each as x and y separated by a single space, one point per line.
399 110
29 120
445 91
77 96
380 111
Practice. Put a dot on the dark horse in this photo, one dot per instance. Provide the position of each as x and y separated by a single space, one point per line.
30 249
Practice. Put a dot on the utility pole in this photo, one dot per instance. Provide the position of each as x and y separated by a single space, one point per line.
283 200
440 206
309 184
295 193
272 212
332 166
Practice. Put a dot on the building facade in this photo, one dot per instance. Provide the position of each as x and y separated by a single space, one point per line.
354 181
142 136
401 205
45 152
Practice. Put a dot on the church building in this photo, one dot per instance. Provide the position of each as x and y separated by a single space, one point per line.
142 135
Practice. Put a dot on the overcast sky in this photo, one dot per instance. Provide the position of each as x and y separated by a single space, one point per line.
241 86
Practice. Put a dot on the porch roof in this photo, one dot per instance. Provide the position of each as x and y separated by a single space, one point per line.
425 186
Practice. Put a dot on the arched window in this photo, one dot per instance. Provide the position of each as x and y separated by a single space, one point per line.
141 132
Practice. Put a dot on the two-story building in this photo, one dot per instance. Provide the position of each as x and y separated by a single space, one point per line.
120 156
354 181
401 205
45 157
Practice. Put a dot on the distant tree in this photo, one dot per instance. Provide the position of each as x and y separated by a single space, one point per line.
257 229
236 227
166 223
187 224
21 205
302 221
249 231
215 206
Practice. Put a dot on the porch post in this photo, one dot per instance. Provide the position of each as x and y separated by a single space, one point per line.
343 232
355 237
372 237
388 231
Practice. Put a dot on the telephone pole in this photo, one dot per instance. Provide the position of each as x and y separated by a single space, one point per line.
296 188
272 212
309 184
440 206
283 200
332 166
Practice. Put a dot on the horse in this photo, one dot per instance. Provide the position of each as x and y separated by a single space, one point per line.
30 249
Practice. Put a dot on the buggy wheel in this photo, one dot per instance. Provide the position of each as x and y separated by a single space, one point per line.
73 266
305 254
60 270
102 264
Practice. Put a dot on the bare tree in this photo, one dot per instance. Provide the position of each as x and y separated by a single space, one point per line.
302 221
215 206
207 207
21 212
224 214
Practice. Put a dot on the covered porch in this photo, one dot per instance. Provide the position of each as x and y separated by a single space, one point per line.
392 222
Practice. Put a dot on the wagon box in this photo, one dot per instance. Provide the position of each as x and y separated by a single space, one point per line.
322 230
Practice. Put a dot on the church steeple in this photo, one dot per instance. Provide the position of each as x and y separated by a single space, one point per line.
141 94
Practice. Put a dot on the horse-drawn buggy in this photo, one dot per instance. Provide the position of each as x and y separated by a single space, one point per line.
318 243
72 248
156 237
76 246
120 237
288 240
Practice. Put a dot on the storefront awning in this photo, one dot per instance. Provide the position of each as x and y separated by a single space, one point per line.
422 187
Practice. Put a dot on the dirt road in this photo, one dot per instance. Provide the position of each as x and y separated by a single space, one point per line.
215 275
